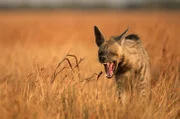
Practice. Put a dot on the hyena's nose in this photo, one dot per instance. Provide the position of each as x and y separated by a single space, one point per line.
102 59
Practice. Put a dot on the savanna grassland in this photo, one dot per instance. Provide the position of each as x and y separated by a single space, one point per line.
35 82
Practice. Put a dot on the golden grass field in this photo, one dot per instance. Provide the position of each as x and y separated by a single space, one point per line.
32 44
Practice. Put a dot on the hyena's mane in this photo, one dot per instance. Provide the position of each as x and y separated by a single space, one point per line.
133 37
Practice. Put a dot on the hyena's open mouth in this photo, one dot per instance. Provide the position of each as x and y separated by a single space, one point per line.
110 69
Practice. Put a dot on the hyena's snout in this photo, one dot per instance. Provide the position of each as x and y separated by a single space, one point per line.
102 59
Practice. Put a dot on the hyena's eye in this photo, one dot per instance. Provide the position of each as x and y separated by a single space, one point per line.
113 54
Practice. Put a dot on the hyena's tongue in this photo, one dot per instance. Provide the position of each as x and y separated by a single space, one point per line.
109 69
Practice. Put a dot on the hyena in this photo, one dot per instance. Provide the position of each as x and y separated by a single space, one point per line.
125 58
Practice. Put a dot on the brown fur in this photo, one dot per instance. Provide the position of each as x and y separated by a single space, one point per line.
132 68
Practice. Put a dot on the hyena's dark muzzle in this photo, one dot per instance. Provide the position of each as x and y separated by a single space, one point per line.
102 59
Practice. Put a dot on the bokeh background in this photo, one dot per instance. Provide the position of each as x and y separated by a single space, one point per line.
36 35
90 4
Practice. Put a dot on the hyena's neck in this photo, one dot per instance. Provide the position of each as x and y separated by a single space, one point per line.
130 58
123 67
126 64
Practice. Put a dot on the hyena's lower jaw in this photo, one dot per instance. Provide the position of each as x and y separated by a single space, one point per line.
109 76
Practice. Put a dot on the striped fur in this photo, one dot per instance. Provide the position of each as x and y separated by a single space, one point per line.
131 62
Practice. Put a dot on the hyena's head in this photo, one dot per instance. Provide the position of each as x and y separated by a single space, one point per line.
110 52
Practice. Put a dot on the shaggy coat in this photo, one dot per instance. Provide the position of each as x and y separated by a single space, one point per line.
125 58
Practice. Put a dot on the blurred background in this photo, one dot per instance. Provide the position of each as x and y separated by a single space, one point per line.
123 4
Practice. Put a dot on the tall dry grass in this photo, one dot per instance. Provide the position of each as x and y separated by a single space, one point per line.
27 67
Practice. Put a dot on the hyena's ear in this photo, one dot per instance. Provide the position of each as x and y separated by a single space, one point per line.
120 38
98 35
